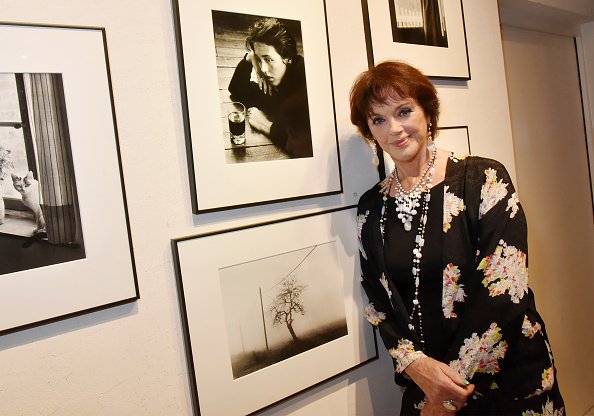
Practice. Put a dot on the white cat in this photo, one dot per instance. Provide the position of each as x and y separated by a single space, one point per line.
28 187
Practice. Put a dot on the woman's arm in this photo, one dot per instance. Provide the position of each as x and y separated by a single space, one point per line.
243 89
498 289
436 379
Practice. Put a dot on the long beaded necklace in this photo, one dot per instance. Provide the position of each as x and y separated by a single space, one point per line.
406 204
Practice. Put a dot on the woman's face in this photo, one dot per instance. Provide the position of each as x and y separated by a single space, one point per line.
271 63
400 127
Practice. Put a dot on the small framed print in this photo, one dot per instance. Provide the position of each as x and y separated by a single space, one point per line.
253 313
65 244
428 34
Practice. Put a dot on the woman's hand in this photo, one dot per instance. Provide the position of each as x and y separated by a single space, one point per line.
259 120
263 84
439 383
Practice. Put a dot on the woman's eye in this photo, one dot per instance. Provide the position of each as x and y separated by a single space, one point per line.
405 111
377 120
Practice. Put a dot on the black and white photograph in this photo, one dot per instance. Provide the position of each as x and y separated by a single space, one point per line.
419 21
263 88
65 242
427 34
39 211
266 300
280 306
258 102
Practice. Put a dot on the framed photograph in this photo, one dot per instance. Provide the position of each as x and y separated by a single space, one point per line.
454 138
261 302
65 245
258 102
428 34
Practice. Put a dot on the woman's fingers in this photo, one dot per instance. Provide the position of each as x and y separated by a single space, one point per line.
438 381
454 376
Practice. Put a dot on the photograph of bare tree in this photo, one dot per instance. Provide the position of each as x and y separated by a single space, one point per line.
281 306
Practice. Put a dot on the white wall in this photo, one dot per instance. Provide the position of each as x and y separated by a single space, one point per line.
130 360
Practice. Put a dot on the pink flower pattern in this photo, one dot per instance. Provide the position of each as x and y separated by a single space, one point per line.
374 317
548 376
404 354
480 355
361 219
452 206
513 205
492 192
505 271
547 410
528 329
452 291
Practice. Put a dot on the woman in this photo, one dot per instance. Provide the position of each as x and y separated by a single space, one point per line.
443 257
276 93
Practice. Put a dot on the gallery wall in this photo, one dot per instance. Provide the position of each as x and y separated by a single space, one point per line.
130 360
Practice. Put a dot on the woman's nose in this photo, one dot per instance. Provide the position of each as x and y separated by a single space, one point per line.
395 126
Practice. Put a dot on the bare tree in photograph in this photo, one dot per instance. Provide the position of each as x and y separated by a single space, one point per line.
287 305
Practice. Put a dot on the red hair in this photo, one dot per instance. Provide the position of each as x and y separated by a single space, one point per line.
396 80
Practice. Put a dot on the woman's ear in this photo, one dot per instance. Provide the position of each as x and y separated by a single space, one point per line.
287 61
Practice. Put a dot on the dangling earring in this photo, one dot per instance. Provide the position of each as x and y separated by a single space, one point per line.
374 159
430 142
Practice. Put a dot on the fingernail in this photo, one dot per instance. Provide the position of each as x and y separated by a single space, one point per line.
466 382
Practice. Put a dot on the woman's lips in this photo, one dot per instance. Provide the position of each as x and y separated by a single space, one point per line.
400 142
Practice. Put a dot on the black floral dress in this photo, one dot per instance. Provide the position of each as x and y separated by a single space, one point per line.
483 323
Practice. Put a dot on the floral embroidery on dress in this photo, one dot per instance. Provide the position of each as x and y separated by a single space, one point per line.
480 355
547 410
452 291
528 329
361 219
374 317
421 404
513 205
404 354
505 270
548 379
384 282
452 206
385 185
456 157
548 376
492 192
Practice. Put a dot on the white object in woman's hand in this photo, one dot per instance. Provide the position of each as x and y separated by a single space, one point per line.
439 383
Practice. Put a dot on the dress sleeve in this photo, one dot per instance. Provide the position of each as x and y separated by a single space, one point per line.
497 288
383 311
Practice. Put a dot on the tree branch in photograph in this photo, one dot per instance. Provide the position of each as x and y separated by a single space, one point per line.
287 305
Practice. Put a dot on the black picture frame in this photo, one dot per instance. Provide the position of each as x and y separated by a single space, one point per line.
226 286
104 275
260 171
439 56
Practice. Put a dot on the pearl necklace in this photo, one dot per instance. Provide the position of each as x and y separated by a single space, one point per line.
414 195
408 202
